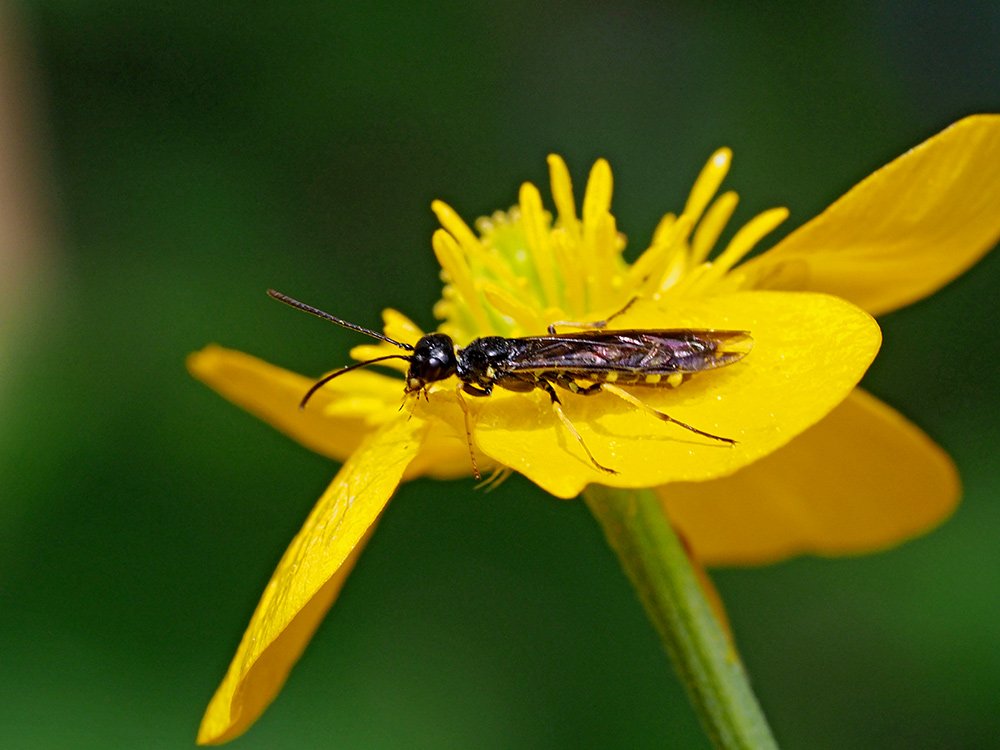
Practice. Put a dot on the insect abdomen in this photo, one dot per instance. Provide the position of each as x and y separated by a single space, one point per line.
618 377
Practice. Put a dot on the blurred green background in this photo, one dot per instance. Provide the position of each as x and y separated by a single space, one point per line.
188 155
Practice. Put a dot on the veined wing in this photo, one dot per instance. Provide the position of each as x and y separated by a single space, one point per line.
652 352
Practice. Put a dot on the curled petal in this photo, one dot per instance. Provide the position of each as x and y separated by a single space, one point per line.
309 577
810 350
338 416
905 231
335 420
862 479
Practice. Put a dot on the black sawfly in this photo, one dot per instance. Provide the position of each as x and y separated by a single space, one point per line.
586 362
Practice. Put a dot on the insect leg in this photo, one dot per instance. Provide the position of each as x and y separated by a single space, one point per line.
557 408
475 390
629 398
572 385
594 323
468 430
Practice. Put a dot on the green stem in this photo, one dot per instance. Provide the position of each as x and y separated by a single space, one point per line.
658 565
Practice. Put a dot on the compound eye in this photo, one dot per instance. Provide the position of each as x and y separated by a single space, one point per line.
435 369
426 370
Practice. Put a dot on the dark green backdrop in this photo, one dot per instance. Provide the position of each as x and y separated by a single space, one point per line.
201 152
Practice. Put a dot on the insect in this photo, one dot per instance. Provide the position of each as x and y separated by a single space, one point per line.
584 363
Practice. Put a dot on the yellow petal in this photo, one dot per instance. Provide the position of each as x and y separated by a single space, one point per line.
368 352
809 352
339 416
862 479
905 231
308 579
445 450
334 421
399 327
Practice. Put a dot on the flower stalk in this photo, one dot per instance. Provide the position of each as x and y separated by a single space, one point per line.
661 571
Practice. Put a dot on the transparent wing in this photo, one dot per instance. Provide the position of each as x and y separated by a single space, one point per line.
646 351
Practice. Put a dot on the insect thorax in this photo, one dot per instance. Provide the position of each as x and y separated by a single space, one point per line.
482 359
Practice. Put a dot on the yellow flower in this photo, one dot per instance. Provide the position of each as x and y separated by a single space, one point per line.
819 466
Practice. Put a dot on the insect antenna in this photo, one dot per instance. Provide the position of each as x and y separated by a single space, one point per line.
291 302
334 319
343 371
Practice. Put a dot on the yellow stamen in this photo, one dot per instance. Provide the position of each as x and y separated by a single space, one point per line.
596 210
742 243
455 226
663 260
749 235
711 226
442 309
708 182
487 257
663 227
450 257
523 315
690 280
562 195
675 270
597 199
536 233
565 250
603 276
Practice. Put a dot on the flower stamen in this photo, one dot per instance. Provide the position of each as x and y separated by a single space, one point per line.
525 318
708 182
665 261
742 243
537 234
562 196
459 275
599 243
712 225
